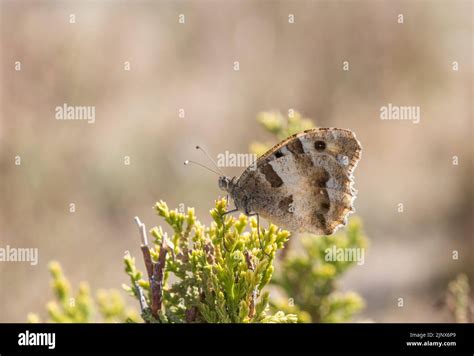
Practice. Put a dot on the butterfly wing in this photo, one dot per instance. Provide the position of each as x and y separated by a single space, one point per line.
304 183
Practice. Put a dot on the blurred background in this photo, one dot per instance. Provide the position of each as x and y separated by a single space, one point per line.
190 66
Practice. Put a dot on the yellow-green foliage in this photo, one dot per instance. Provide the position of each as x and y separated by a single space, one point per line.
308 280
458 299
218 272
82 308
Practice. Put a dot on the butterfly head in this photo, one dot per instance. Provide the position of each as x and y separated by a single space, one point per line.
226 184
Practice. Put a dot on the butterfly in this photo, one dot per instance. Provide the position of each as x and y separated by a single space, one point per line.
302 184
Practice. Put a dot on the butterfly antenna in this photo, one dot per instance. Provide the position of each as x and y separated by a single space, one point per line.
210 159
201 165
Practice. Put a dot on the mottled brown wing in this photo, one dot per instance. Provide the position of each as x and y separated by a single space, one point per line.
304 183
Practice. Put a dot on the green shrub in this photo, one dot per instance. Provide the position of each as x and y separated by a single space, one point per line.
309 281
108 306
218 272
458 299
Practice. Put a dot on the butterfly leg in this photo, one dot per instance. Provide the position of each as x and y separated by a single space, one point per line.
229 212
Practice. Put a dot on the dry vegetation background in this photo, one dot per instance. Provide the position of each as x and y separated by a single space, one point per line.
190 66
